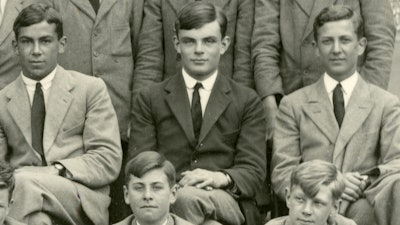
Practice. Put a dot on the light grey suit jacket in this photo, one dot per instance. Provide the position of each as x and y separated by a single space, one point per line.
80 132
306 129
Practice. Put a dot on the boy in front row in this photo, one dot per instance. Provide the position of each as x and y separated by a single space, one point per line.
149 190
313 196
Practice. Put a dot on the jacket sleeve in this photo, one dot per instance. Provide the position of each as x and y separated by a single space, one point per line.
286 148
150 57
101 162
242 47
380 31
266 47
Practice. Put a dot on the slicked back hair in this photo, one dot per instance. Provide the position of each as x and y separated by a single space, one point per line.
311 175
196 14
37 13
337 13
147 161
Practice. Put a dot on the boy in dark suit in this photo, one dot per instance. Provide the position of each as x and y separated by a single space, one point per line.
208 126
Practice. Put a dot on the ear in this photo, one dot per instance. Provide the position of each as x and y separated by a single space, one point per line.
61 44
15 47
172 196
362 45
225 42
315 46
287 196
126 195
176 43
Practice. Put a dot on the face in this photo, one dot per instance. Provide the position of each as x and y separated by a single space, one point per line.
150 197
304 210
38 47
4 204
339 48
201 49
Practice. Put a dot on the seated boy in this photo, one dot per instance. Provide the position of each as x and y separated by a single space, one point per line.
149 190
7 183
313 196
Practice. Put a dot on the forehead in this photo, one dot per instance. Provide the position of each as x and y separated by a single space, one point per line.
324 193
337 28
38 30
211 29
152 176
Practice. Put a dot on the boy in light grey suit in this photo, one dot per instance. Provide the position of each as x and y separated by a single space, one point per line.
344 120
58 129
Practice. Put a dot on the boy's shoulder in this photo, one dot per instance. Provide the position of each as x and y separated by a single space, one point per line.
277 221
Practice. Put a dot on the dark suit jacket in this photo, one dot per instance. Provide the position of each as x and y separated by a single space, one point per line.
157 57
369 138
284 59
103 45
81 132
231 137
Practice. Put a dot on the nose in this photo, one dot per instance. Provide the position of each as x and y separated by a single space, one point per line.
199 48
307 209
336 48
148 194
36 49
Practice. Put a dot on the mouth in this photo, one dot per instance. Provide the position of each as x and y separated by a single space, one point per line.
337 59
304 221
36 62
199 60
148 207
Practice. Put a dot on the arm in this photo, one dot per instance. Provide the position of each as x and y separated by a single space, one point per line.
143 130
242 47
150 57
379 29
100 163
286 151
249 166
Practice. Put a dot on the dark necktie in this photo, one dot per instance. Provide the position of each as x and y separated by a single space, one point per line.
95 5
197 117
338 103
38 113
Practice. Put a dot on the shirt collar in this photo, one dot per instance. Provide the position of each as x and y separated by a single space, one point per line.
165 223
347 84
208 83
46 81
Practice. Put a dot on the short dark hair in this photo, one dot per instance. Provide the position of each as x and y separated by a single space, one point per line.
37 13
312 174
7 180
336 13
196 14
147 161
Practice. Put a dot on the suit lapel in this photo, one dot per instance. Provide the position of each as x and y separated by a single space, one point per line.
217 103
178 101
12 9
320 110
176 5
58 104
316 9
85 7
357 111
105 7
19 108
306 5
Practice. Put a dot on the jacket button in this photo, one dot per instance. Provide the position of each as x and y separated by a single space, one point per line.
95 54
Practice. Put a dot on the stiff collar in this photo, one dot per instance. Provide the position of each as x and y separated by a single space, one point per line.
46 81
208 83
347 84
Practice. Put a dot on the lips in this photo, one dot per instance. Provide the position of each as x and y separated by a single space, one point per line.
36 62
148 207
305 221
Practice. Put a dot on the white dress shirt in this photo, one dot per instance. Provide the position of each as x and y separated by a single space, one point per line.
45 82
165 223
204 92
347 86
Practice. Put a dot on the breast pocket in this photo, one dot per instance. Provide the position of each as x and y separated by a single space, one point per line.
120 37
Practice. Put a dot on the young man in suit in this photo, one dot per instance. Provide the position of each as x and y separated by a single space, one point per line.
58 129
314 195
208 126
149 190
157 59
344 120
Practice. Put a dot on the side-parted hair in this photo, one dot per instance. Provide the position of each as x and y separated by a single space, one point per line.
7 180
37 13
336 13
311 175
196 14
147 161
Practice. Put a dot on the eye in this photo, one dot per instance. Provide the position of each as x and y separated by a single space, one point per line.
210 41
137 188
158 188
45 41
187 41
326 41
299 199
